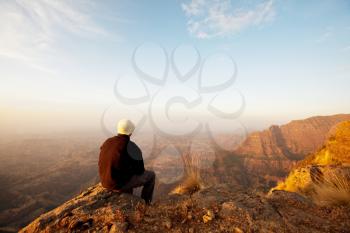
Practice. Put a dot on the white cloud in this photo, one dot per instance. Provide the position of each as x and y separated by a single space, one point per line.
328 33
208 19
30 29
347 48
194 7
324 37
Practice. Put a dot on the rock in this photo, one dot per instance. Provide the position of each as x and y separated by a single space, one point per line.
227 209
118 227
167 223
208 216
75 224
136 217
64 222
189 215
105 229
282 145
149 220
222 228
238 211
327 169
177 230
237 230
96 206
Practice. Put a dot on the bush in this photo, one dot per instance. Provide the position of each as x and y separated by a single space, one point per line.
334 190
192 181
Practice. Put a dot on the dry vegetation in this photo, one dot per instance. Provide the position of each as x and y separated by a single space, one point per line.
325 175
192 181
297 181
334 190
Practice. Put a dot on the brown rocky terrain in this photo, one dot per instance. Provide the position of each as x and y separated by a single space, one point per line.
38 174
214 209
314 198
325 175
273 152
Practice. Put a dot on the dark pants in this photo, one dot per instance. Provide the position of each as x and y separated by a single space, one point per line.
147 180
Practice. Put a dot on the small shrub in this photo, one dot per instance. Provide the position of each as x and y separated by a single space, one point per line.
192 181
334 190
297 181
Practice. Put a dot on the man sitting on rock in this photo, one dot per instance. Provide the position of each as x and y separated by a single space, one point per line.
121 165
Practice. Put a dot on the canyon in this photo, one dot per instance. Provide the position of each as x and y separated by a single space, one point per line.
38 174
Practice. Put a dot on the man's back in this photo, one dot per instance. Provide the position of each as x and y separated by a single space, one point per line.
121 164
119 160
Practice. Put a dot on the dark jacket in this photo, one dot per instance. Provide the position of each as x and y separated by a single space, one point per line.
119 160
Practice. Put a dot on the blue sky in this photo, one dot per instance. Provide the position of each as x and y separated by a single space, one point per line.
59 59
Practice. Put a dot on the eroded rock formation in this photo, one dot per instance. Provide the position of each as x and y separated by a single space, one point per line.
273 152
216 209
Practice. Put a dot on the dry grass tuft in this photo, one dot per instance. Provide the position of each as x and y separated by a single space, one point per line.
324 182
192 181
331 188
297 181
334 190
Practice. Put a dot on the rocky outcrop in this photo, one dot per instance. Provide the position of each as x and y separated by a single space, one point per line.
215 209
336 150
94 208
325 175
262 159
273 152
291 141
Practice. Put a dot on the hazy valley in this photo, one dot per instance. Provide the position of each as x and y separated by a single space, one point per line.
39 174
313 198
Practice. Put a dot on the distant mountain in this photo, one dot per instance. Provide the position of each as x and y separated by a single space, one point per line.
293 140
36 175
273 152
227 207
324 175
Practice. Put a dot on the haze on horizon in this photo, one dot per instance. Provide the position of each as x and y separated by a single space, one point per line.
59 61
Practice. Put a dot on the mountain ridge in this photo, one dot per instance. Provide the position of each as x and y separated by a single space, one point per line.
274 151
326 173
324 123
260 172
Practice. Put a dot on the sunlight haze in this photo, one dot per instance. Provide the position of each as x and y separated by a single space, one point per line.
60 59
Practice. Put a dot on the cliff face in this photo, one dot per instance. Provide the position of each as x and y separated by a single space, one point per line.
274 151
216 209
324 175
291 141
336 151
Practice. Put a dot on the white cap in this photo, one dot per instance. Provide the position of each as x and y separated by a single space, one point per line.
125 127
